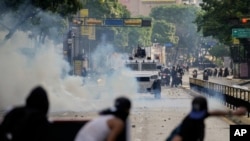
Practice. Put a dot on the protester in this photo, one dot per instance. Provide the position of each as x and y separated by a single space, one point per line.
192 128
220 72
215 72
174 77
109 126
195 73
84 72
28 122
226 72
205 74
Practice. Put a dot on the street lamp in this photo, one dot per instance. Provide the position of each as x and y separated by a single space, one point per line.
71 37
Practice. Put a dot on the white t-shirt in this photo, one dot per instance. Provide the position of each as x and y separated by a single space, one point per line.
95 130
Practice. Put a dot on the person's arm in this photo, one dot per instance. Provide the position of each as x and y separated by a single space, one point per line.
177 138
116 126
238 112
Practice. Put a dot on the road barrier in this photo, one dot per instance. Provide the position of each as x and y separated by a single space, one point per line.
231 97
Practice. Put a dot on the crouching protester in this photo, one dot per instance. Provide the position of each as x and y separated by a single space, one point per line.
109 126
192 128
27 122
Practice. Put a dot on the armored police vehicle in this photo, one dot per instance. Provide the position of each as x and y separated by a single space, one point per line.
146 72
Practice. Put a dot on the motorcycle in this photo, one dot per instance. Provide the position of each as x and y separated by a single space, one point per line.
165 79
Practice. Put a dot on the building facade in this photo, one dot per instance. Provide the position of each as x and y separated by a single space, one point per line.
143 7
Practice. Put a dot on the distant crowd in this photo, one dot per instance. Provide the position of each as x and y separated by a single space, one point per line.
172 77
216 72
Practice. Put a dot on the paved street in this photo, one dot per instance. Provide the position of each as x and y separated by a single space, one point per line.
154 119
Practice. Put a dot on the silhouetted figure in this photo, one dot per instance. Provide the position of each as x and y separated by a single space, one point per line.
29 122
109 126
226 72
156 88
205 75
180 73
215 72
174 77
195 73
192 128
84 72
167 76
187 68
220 72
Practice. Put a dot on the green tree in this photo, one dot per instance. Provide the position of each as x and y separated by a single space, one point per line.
183 17
138 37
163 32
217 18
218 51
25 15
103 9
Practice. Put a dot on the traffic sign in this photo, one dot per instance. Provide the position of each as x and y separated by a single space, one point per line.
113 22
241 32
169 44
92 21
146 23
236 41
121 22
132 22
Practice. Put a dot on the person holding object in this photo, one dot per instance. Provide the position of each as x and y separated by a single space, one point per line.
192 128
109 126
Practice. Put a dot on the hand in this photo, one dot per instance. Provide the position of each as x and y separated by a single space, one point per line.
240 111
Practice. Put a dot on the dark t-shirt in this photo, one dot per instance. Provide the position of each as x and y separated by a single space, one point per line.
24 124
190 129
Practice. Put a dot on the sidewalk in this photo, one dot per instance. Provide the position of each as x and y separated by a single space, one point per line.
230 81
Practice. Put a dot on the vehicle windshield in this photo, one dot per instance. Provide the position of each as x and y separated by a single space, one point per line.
134 66
148 66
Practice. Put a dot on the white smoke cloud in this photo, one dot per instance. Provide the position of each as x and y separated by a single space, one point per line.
20 72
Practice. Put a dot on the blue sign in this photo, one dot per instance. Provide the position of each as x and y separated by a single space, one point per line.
113 22
169 45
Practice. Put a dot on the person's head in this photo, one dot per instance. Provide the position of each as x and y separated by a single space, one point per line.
38 100
122 104
121 108
199 107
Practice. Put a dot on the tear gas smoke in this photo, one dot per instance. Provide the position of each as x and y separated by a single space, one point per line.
23 66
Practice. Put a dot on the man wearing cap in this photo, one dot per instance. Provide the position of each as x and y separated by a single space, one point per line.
109 126
192 128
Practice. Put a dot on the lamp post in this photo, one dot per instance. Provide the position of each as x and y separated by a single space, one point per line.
72 50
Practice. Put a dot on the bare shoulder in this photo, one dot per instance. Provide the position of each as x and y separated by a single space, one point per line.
115 122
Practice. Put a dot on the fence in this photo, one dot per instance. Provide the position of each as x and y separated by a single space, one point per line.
230 96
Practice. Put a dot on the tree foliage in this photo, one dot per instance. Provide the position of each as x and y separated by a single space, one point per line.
182 17
219 51
217 18
163 32
25 15
102 9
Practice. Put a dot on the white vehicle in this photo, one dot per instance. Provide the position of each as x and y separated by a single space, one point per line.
147 75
